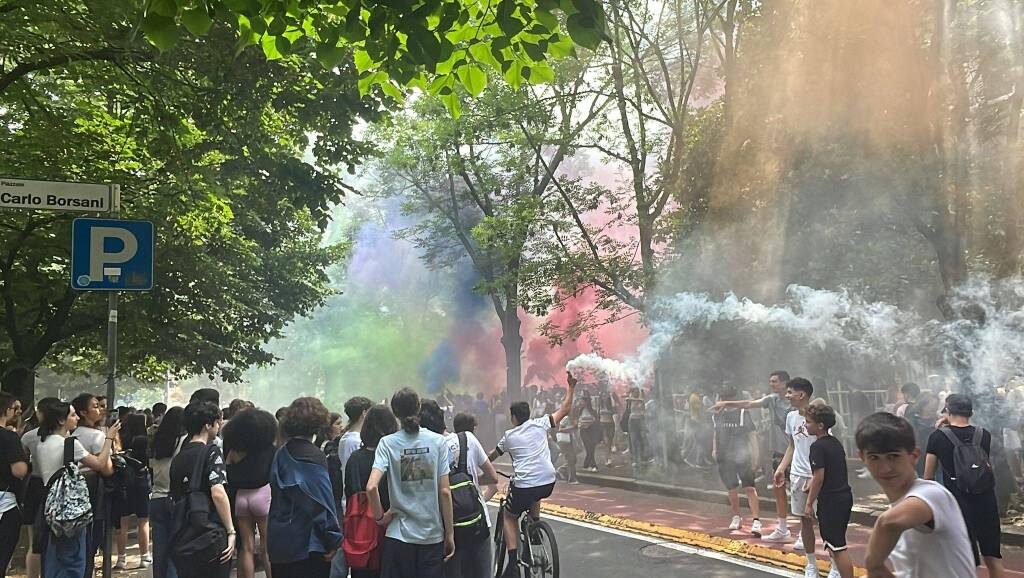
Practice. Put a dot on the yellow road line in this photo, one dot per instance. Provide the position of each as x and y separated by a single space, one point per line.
738 548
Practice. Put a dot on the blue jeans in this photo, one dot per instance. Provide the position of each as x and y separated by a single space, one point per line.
339 567
65 557
161 513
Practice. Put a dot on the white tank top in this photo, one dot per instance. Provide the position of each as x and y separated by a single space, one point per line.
940 552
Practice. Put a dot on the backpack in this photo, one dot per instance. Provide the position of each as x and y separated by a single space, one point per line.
468 514
197 537
67 508
362 534
972 468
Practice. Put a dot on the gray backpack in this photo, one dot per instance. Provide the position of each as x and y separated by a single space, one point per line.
67 509
972 467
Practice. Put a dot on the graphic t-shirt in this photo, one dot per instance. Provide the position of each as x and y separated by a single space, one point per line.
827 452
940 446
527 445
214 473
476 457
940 549
414 464
732 435
778 409
796 428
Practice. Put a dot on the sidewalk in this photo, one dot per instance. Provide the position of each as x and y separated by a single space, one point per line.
705 523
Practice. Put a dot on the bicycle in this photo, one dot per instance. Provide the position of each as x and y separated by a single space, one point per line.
538 551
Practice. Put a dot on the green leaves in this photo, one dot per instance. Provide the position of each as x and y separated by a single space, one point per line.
473 79
197 20
582 29
161 31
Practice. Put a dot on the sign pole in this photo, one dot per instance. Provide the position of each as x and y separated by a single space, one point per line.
112 300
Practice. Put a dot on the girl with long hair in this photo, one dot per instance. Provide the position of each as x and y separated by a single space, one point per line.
167 441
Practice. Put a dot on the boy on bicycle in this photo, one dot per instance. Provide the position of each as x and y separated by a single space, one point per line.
533 476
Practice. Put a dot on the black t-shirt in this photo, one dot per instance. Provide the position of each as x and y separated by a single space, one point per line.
184 464
357 475
732 434
827 452
11 452
940 446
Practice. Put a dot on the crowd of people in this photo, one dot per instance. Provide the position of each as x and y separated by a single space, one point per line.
399 489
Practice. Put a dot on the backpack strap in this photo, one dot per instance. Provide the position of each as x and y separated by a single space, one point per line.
69 450
461 468
976 438
952 436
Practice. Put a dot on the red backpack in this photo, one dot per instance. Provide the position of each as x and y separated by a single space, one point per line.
362 534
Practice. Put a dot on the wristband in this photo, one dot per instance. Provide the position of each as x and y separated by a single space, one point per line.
232 533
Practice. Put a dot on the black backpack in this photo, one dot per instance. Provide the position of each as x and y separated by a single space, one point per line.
469 520
972 468
197 538
336 473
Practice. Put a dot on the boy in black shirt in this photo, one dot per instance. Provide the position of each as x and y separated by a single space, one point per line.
734 447
830 488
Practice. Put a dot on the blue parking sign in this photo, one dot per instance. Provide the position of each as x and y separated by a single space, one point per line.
111 255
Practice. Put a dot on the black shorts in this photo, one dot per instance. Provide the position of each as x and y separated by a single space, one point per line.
520 499
776 460
736 475
400 559
981 513
833 513
35 494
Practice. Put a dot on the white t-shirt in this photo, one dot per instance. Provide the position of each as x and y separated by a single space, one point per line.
92 440
51 455
31 441
476 457
527 445
942 551
349 442
796 428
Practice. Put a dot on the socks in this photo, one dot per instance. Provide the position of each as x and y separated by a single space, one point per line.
811 560
784 523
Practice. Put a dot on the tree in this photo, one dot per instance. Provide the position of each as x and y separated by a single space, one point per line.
206 144
481 185
657 77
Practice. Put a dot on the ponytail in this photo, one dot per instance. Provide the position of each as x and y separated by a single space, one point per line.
406 406
411 424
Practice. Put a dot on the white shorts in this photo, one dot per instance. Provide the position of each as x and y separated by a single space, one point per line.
797 495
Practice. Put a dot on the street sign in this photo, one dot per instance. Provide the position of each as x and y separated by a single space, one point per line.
56 196
111 255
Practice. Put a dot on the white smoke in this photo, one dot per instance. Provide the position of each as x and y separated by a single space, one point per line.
989 345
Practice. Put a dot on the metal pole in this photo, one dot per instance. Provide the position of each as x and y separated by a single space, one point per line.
112 300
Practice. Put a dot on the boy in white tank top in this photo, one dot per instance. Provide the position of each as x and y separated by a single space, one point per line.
923 534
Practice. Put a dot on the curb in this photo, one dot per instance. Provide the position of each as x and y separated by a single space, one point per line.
1011 536
728 546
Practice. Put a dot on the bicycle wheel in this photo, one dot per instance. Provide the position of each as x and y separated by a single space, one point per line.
543 551
499 549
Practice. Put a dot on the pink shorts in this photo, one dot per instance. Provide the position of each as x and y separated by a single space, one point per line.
253 503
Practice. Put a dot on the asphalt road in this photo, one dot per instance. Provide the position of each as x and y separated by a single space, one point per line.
593 552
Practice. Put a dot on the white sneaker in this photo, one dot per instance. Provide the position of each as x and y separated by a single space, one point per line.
799 544
145 563
122 564
811 571
834 572
735 524
779 535
148 558
755 528
863 474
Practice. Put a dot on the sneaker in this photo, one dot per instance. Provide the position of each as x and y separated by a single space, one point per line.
122 564
755 528
779 535
799 544
834 572
512 570
148 558
811 571
735 524
863 474
145 563
608 463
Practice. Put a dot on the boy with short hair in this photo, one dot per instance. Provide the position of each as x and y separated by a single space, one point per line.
830 492
734 448
798 455
922 534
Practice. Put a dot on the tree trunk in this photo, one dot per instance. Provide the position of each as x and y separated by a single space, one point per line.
512 342
19 379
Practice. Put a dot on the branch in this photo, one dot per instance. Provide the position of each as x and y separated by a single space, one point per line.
107 54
